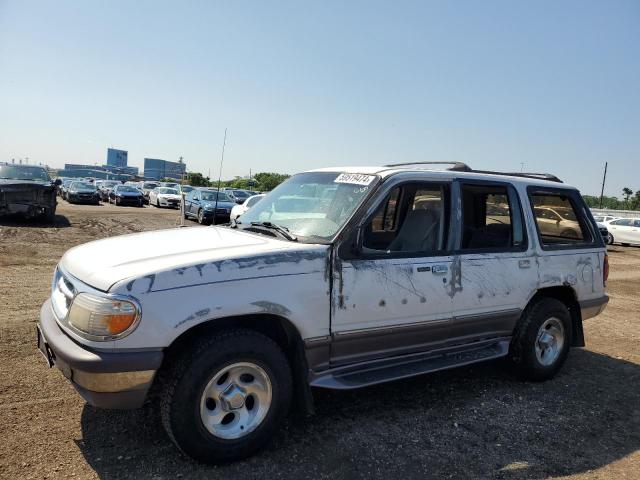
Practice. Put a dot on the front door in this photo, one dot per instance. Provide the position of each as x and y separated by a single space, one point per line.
394 297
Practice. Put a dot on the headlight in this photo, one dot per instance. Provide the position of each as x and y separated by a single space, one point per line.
102 317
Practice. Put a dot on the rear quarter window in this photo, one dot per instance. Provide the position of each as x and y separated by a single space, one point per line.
560 220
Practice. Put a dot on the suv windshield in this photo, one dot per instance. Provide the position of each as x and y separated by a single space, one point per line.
315 204
21 172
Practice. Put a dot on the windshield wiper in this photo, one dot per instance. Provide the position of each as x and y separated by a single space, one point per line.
284 231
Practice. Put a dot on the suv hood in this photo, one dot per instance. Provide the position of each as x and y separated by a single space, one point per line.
103 263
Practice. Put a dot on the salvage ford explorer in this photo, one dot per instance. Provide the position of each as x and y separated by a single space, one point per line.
338 278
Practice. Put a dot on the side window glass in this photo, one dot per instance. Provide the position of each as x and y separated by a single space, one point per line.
557 220
623 222
385 218
491 218
413 218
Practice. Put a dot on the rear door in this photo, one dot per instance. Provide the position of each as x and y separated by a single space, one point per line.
392 297
495 268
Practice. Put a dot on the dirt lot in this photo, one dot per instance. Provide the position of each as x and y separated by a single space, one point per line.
474 422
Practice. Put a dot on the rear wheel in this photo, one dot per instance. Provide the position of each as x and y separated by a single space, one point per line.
227 396
610 239
541 342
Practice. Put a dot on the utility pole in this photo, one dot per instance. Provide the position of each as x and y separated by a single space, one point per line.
604 177
215 209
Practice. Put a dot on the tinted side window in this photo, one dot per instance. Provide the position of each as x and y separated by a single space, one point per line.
558 221
412 218
623 222
491 218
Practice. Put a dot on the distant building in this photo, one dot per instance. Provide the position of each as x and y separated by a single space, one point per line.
75 170
117 158
156 169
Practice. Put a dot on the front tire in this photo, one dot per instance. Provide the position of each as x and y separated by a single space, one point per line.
201 219
226 397
610 239
542 339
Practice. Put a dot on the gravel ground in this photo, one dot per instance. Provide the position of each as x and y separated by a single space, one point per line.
473 422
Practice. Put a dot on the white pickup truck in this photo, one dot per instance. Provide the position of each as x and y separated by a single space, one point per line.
339 278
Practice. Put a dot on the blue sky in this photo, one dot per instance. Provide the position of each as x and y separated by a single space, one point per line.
553 85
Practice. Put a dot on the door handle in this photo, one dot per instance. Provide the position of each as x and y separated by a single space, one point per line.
524 263
439 269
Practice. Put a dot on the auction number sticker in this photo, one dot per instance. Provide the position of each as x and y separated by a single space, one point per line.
354 178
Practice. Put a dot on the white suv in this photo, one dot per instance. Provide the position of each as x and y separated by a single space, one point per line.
339 278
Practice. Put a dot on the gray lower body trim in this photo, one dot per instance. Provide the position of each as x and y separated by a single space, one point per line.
592 307
105 379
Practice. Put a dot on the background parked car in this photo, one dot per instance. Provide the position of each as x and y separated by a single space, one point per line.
238 210
64 186
83 192
126 195
165 197
105 187
200 204
27 190
604 218
146 187
624 231
238 195
557 222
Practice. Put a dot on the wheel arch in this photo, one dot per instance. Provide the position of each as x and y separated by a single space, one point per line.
275 327
567 295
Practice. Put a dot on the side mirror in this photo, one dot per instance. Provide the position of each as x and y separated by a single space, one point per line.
57 182
352 247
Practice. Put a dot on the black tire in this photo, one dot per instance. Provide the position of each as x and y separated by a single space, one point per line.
201 218
49 215
191 372
522 351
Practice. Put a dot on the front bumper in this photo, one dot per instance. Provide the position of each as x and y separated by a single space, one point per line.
591 308
104 379
83 198
163 202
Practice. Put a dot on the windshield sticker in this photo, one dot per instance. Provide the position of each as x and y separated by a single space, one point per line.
354 178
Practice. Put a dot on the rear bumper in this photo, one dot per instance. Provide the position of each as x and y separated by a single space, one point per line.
595 306
104 379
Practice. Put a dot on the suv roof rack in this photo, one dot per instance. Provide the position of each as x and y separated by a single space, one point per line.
463 167
455 166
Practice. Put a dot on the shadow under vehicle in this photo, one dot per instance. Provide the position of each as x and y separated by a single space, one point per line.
27 190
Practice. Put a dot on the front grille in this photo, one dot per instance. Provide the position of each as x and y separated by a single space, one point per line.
62 293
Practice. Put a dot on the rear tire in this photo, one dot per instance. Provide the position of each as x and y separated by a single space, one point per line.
542 339
610 239
197 399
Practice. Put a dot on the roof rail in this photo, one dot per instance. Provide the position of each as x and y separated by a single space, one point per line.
463 167
539 176
455 166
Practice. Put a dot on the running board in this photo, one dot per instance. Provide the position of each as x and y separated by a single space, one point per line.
347 378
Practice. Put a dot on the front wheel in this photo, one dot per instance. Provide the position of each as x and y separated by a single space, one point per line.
201 218
225 398
610 239
541 342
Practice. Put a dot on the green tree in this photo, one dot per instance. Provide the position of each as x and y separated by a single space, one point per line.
196 179
627 192
266 181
